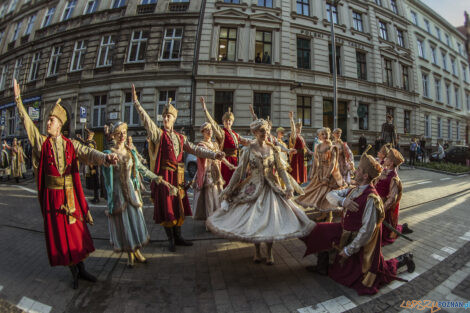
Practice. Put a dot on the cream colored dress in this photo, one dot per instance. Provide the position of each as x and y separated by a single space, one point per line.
258 208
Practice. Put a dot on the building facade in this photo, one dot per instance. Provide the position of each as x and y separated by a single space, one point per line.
89 53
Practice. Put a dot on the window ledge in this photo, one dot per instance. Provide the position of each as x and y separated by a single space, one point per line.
355 31
220 4
340 26
295 15
423 59
276 11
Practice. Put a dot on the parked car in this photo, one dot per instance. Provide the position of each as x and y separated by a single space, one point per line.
454 154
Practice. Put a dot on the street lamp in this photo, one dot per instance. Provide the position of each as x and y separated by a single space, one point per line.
334 3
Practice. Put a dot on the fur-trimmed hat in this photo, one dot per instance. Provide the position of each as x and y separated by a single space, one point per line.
369 165
205 126
59 112
255 125
170 109
118 126
385 149
395 156
228 115
280 130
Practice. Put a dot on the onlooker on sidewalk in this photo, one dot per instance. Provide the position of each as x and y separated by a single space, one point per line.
362 144
440 152
413 148
422 144
446 145
377 145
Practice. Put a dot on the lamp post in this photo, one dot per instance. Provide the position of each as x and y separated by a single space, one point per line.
334 3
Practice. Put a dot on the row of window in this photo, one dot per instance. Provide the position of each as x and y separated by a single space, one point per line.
438 91
437 32
428 131
303 8
171 50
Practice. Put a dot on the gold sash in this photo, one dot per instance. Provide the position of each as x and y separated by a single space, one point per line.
64 183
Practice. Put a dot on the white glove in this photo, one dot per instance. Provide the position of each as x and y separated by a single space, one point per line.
224 205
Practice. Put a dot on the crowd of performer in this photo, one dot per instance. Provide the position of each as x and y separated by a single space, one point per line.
245 189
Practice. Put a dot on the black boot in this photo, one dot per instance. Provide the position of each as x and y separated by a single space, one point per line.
321 268
179 240
83 274
405 229
74 270
406 259
171 239
96 198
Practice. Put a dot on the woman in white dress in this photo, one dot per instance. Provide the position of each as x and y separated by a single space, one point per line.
255 208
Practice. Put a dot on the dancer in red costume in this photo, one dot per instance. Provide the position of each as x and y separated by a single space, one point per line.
63 204
298 162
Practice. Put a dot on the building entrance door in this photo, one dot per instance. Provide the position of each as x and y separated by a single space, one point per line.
342 116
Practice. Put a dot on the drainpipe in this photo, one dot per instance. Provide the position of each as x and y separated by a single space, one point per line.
192 110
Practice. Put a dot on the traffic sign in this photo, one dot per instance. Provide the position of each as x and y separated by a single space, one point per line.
82 114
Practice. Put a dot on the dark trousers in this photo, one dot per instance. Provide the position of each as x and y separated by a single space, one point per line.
412 157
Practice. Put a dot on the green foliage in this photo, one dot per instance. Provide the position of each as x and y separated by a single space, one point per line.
447 167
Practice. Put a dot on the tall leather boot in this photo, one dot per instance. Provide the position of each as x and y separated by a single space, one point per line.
171 239
83 274
321 268
179 240
74 271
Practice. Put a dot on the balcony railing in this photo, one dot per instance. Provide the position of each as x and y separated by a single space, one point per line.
146 8
178 6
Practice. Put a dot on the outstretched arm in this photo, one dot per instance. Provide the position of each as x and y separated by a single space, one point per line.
91 156
153 131
293 131
253 114
218 131
157 179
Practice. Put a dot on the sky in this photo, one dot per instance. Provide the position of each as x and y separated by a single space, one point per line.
451 10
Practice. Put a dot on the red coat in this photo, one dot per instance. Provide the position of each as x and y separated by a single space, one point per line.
169 210
68 240
297 162
230 147
326 236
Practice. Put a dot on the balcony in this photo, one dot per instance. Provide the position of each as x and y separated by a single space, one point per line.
11 45
146 8
24 39
178 6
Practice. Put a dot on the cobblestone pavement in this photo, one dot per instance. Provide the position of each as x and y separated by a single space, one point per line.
216 275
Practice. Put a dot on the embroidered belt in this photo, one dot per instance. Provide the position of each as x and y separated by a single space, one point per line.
59 182
64 183
231 152
179 167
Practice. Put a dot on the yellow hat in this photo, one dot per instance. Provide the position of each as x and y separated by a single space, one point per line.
170 109
395 156
228 115
59 112
280 130
369 165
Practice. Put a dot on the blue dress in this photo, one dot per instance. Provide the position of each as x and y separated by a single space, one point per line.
127 228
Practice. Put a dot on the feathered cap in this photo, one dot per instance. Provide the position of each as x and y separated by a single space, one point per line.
170 109
369 164
59 112
228 115
395 156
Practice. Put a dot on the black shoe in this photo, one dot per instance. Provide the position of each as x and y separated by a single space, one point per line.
83 274
321 268
179 240
171 239
74 271
95 200
405 229
406 259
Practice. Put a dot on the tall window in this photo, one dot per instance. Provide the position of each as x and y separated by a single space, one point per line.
303 53
400 38
138 46
433 55
1 35
425 79
449 128
118 4
304 109
48 17
265 3
149 1
428 26
388 73
427 126
454 68
91 6
78 56
338 59
262 104
383 30
405 77
363 114
69 7
163 97
226 1
457 126
444 61
105 52
303 7
54 61
29 27
357 21
407 122
464 73
393 4
457 98
13 4
263 47
438 32
459 46
131 117
334 11
437 83
361 65
223 101
35 62
467 95
99 110
227 44
17 70
414 18
11 121
420 48
172 43
448 91
3 77
378 2
448 40
16 31
439 127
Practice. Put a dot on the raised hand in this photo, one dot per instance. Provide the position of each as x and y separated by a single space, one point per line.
16 88
134 94
203 103
291 115
112 158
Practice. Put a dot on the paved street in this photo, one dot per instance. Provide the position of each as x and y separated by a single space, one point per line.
216 275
